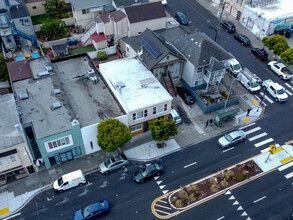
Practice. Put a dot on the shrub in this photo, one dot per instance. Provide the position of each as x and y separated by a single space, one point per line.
240 177
215 188
179 203
102 55
194 188
246 174
173 199
192 197
229 174
224 183
183 194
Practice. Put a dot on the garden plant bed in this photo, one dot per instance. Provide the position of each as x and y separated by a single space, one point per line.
194 192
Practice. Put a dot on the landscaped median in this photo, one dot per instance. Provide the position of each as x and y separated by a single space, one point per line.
214 184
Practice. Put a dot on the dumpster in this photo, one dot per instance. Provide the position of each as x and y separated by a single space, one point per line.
226 115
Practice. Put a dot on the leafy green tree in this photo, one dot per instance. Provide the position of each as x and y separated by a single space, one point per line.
54 29
55 8
112 134
102 55
277 43
162 129
287 56
3 70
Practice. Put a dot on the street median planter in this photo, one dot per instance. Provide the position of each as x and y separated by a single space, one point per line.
214 184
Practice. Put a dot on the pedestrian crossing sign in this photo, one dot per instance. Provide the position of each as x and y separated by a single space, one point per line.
272 149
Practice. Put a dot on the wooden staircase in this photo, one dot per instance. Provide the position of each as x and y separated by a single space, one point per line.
169 86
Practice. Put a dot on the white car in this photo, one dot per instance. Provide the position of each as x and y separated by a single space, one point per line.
164 2
280 69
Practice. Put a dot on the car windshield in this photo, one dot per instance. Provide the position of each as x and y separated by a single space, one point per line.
254 85
60 181
280 91
176 117
228 137
107 162
143 172
87 211
236 67
102 205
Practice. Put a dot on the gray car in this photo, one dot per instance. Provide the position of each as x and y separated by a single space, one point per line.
113 163
231 138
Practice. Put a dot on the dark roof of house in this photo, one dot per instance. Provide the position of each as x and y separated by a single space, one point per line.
32 1
19 11
60 48
197 47
145 12
125 3
146 57
115 15
19 70
85 4
215 65
109 8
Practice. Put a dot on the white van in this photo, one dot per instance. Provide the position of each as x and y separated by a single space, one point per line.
249 80
174 116
69 180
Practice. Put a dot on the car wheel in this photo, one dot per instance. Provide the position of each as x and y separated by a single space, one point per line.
281 77
242 44
142 181
269 67
80 184
226 30
123 167
276 99
259 58
107 172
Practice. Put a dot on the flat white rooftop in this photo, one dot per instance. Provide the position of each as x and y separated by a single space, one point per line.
139 88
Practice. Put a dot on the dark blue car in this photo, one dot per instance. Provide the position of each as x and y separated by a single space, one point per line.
92 211
181 18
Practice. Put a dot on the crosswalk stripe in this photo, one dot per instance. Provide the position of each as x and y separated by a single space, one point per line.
247 125
267 98
252 130
287 84
264 142
289 175
265 150
285 166
288 92
257 136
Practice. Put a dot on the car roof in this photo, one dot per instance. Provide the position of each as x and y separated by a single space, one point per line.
237 133
180 13
243 36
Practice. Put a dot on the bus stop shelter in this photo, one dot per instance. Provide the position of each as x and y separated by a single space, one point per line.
226 115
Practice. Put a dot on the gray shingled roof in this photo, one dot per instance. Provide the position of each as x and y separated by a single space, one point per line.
19 11
125 3
215 65
145 12
85 4
146 57
116 16
60 48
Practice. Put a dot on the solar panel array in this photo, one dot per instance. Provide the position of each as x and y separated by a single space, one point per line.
150 47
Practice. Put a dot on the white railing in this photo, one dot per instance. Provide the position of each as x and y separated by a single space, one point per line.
88 34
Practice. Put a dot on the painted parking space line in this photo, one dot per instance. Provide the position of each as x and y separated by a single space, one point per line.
221 218
289 175
252 130
190 165
257 136
12 216
264 142
228 149
259 199
285 166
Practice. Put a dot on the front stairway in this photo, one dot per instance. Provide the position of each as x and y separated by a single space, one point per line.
169 86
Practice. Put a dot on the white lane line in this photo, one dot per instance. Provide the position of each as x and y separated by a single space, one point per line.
267 98
189 165
252 130
257 136
288 92
259 199
265 150
221 218
247 125
264 142
288 85
285 166
12 216
228 149
289 175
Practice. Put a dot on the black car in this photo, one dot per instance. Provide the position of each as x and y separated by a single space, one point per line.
148 171
228 26
261 54
181 18
242 39
185 95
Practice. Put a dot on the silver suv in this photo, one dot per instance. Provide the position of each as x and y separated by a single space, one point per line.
113 163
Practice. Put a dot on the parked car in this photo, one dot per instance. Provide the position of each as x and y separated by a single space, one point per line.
280 69
174 116
113 163
92 211
243 39
69 180
261 54
231 138
228 26
185 95
181 18
148 171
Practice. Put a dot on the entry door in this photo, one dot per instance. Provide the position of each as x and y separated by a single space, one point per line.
64 157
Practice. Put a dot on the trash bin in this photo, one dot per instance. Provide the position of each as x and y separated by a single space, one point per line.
69 42
74 41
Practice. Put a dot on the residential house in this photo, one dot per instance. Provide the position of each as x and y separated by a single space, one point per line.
232 7
140 17
157 55
264 18
140 94
35 7
58 100
16 26
15 158
124 3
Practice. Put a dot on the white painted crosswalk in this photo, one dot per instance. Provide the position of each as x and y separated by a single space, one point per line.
255 134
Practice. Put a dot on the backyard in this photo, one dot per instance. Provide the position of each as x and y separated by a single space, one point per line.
84 49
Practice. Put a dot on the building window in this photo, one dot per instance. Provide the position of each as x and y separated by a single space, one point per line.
24 22
158 109
199 70
139 115
197 82
136 128
239 2
92 146
85 11
145 113
62 142
3 161
127 49
12 158
34 7
165 107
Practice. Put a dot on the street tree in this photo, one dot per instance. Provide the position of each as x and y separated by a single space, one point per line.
277 43
287 56
54 29
162 129
55 8
112 134
3 69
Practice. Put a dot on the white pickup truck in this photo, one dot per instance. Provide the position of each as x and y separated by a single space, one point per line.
275 90
280 69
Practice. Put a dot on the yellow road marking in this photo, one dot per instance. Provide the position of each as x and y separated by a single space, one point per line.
254 101
245 120
278 150
286 160
162 206
4 211
167 213
162 201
